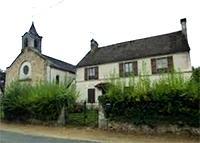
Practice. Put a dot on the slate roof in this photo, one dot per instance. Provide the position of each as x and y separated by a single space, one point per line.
32 32
153 46
53 62
60 64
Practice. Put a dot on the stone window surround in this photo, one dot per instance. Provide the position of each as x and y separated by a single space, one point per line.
22 75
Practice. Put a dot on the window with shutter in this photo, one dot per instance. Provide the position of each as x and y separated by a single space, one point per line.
170 63
85 74
121 74
162 65
91 73
135 68
153 66
128 69
91 95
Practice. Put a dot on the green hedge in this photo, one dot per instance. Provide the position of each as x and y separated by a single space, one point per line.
42 101
171 100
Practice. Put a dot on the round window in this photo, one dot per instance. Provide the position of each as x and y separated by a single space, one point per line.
25 69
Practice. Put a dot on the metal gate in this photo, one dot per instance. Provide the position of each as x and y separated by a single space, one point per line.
83 116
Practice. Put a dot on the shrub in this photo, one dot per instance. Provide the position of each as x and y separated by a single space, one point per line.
43 101
171 100
196 74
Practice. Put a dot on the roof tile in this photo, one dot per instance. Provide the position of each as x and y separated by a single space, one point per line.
152 46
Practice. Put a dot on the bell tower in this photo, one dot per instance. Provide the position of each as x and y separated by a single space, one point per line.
31 39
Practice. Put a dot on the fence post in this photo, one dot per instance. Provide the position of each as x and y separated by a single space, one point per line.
85 112
62 117
102 121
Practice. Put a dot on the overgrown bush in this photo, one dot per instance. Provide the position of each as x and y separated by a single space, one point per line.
43 101
196 74
170 100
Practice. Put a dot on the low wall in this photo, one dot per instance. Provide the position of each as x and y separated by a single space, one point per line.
145 129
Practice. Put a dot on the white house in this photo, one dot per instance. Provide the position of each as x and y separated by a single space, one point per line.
148 56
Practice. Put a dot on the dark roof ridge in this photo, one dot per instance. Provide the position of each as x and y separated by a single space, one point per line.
59 64
57 59
140 39
53 62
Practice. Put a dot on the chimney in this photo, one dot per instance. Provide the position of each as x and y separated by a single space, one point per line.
93 45
184 27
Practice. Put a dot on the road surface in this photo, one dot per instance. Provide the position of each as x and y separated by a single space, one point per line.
11 137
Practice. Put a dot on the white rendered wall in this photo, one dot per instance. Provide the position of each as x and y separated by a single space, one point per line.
63 75
181 63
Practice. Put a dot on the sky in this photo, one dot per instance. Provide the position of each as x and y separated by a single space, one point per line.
67 26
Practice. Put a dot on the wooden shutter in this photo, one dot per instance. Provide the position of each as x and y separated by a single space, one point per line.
121 72
170 63
153 66
96 73
135 68
85 74
91 95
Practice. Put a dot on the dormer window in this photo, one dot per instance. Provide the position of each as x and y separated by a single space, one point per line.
26 42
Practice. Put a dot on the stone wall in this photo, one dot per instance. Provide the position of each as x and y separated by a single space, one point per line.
38 67
160 129
105 124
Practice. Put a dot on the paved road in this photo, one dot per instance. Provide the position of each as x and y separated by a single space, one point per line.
11 137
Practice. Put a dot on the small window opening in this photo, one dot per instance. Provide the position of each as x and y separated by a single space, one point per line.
26 42
35 43
91 95
57 79
25 69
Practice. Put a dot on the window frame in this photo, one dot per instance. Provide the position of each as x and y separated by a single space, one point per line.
91 95
160 63
57 79
23 75
26 42
127 69
91 73
163 69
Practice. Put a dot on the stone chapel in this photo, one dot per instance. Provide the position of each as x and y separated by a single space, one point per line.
33 67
